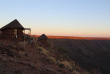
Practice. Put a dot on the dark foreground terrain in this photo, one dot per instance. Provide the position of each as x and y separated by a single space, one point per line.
61 56
30 58
91 55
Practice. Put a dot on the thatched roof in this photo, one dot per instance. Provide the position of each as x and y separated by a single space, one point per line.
42 37
13 25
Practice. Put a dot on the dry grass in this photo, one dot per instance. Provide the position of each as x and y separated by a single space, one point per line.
78 72
75 72
21 45
52 60
46 52
66 64
43 51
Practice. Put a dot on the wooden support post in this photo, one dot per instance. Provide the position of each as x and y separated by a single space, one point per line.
24 39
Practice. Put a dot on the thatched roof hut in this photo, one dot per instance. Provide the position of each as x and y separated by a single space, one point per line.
42 40
13 31
13 25
42 37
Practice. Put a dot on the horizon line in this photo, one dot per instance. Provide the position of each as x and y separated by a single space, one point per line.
74 37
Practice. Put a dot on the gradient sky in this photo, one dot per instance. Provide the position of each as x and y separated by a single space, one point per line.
59 17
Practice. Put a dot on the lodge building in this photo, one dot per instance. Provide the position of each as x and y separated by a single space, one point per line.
13 31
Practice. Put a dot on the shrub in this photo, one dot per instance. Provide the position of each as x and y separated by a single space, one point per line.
61 65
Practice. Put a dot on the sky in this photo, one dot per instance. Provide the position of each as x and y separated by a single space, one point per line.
90 18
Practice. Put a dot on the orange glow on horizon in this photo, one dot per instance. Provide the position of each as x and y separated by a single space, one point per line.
73 37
